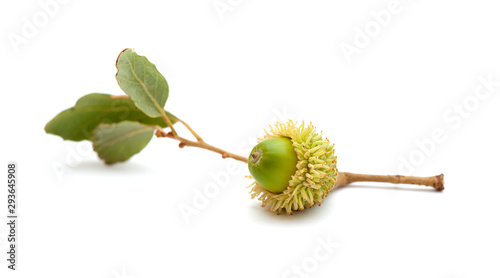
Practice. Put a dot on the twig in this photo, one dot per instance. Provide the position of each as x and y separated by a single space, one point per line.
199 144
198 137
345 178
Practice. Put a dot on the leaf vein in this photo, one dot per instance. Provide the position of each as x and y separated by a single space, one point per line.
144 86
125 136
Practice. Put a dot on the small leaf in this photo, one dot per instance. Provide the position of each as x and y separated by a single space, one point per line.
140 79
118 142
78 123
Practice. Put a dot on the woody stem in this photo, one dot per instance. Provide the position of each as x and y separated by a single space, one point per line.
345 178
199 144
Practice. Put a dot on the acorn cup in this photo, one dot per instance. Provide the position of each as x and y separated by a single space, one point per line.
295 168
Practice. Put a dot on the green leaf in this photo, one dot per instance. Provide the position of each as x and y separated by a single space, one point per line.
140 79
118 142
78 123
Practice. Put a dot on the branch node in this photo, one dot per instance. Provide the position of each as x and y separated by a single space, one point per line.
160 133
439 184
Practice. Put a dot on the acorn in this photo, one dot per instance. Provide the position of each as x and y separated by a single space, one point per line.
293 166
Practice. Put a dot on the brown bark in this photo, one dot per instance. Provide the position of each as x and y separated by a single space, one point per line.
345 178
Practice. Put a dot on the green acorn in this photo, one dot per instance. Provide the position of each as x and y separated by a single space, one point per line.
272 163
293 166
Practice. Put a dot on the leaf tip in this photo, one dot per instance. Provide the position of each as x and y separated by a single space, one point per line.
121 52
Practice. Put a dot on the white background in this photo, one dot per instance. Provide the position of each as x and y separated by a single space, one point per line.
232 74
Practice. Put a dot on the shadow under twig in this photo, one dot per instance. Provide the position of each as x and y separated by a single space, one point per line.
97 167
318 213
